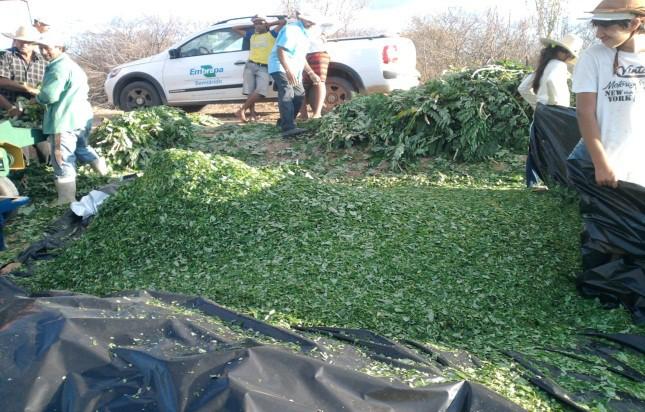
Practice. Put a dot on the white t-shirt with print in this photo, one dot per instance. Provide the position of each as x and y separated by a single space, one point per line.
620 106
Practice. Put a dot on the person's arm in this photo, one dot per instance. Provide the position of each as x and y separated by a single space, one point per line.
17 86
10 108
52 89
242 30
526 91
590 130
291 77
280 23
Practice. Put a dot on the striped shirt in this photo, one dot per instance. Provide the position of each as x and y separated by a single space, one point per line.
14 67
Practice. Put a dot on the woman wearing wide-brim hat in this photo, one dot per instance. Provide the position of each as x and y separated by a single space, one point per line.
609 82
548 85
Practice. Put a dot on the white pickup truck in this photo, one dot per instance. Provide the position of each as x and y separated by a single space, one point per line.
207 67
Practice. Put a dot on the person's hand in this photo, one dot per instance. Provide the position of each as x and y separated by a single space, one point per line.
291 78
315 79
605 176
14 112
32 90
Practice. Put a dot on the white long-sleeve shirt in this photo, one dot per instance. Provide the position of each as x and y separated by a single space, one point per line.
553 90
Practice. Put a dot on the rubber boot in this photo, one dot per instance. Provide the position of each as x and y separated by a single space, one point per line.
99 166
44 151
66 189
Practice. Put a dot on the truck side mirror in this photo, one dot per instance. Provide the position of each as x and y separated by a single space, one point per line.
174 53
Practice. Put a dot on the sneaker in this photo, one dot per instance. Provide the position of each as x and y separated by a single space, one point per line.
293 132
538 188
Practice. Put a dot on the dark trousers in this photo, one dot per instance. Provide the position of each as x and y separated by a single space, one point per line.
290 99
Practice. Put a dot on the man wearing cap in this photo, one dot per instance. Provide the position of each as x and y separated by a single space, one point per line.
68 116
256 77
21 68
609 82
286 64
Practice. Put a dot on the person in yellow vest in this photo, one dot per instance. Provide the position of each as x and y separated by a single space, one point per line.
256 75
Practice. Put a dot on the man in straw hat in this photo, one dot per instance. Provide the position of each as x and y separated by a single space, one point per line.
286 64
609 82
68 116
21 68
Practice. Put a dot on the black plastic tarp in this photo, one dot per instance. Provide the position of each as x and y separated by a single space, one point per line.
554 133
613 238
150 351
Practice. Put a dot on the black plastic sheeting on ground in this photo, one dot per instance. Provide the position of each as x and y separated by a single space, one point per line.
613 240
143 351
554 134
544 375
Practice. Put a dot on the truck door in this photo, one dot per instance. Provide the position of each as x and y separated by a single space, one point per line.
208 67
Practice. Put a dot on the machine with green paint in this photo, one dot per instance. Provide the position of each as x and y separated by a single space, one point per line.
12 140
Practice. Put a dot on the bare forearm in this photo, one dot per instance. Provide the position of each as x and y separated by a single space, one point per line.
4 103
13 85
283 60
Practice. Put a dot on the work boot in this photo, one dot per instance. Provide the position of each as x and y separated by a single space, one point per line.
66 188
99 166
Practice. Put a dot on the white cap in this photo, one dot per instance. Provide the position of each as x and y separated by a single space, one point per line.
52 39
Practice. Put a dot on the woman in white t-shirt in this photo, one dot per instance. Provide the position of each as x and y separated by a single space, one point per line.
548 85
609 83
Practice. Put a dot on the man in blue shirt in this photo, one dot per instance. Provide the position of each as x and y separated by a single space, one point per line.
286 64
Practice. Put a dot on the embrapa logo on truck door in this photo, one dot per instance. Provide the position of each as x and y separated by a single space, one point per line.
209 72
206 71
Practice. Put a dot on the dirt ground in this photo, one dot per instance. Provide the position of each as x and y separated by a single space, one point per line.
225 112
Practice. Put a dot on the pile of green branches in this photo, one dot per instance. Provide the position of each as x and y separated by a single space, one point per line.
467 114
129 140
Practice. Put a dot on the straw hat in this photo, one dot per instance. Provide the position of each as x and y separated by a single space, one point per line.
24 33
52 39
570 42
610 10
310 15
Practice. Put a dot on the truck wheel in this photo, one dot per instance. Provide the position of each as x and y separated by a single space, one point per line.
136 95
339 91
7 188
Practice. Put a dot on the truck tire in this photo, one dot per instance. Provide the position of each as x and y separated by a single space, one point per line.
7 188
339 91
138 94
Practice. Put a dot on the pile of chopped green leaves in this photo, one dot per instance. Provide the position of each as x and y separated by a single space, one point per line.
468 115
32 114
482 267
129 140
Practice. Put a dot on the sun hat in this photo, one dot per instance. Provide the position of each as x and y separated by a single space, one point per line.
310 15
24 33
569 42
612 10
52 39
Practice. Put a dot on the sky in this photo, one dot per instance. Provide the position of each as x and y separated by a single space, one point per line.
74 16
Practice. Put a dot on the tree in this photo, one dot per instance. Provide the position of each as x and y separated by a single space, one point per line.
122 42
342 11
551 17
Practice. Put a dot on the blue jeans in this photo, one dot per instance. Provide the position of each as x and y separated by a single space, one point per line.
67 148
580 152
290 99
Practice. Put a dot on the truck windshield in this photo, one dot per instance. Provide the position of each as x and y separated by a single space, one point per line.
12 15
